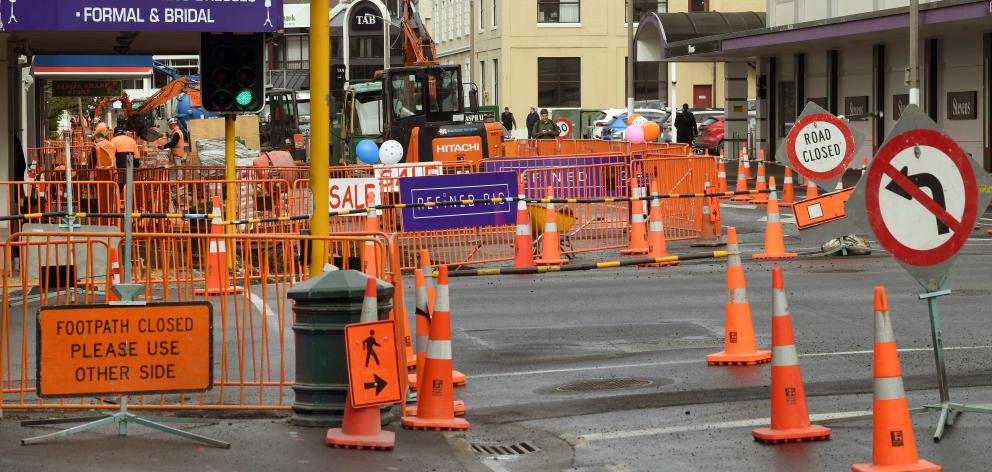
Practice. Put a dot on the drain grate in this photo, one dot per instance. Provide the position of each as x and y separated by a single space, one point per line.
517 449
602 384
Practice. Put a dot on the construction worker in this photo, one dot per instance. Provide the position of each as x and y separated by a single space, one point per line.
126 147
104 153
177 143
102 158
100 127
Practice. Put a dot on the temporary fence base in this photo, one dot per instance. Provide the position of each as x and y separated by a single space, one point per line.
121 418
722 358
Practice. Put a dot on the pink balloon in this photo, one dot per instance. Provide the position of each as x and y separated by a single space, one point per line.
635 134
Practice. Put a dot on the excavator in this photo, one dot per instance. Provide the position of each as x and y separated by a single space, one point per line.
420 105
139 117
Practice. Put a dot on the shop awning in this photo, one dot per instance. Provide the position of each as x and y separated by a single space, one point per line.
91 66
657 30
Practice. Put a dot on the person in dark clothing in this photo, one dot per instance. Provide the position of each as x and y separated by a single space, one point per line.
532 119
545 128
509 122
685 123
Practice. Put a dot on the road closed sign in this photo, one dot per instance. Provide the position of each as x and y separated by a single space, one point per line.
820 146
352 194
119 349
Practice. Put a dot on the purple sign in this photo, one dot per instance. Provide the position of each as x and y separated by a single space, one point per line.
234 16
570 176
446 188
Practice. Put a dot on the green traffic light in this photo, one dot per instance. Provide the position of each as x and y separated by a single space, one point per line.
245 97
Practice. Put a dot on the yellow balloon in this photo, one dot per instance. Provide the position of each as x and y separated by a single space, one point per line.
651 131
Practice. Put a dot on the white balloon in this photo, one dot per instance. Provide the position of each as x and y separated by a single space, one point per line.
391 152
640 120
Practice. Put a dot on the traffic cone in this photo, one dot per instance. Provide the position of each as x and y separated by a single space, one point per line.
370 261
435 405
711 232
217 277
790 416
788 192
638 234
893 443
761 184
812 191
523 242
774 240
362 427
747 163
114 275
721 175
741 184
740 347
656 231
550 246
425 265
423 324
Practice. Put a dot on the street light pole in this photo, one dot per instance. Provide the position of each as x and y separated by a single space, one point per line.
320 133
630 58
914 52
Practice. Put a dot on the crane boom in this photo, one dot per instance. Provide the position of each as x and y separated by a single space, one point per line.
418 46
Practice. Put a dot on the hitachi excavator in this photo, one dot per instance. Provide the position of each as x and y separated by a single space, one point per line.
139 118
421 105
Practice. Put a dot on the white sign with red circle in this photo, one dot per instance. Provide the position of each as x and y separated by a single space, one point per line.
820 146
921 197
565 127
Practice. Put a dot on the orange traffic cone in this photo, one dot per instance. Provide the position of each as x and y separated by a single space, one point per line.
114 275
740 347
761 184
217 277
747 163
638 234
741 184
721 175
362 427
893 443
774 240
423 326
523 242
550 246
370 260
788 191
435 406
812 191
711 232
790 416
657 247
425 265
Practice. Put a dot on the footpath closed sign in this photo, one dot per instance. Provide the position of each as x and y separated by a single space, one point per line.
446 188
119 349
244 16
373 367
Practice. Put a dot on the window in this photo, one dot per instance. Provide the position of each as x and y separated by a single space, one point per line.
645 6
650 81
559 81
557 11
482 80
495 81
408 96
482 15
463 15
699 5
133 84
494 13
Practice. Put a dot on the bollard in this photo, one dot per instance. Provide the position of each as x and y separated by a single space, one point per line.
323 305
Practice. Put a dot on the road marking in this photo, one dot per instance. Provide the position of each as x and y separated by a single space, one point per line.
593 437
696 361
263 307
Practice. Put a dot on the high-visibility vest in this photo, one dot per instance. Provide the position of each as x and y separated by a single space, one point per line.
180 149
106 154
125 143
102 128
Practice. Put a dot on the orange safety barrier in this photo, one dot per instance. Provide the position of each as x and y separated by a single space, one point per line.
679 175
254 199
46 197
252 330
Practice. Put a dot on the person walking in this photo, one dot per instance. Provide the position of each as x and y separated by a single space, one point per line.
532 120
509 122
685 123
545 128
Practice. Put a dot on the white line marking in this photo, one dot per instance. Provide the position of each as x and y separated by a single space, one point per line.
270 314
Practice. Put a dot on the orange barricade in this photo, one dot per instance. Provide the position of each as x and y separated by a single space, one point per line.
255 199
253 367
51 196
679 175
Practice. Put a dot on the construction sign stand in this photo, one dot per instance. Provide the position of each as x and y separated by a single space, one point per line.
924 231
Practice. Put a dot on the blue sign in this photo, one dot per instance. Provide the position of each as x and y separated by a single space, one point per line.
234 16
446 188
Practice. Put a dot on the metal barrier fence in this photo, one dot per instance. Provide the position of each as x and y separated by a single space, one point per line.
253 341
45 196
678 175
552 147
254 199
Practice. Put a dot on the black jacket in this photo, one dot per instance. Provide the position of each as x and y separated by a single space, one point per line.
532 120
686 124
509 122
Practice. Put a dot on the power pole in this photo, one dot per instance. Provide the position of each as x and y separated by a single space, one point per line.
320 128
630 57
914 53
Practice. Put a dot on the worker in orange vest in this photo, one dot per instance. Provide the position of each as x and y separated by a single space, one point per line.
104 153
125 147
177 143
100 127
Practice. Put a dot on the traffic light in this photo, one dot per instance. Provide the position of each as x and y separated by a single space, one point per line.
232 71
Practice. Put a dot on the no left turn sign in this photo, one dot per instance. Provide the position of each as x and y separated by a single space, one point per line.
820 146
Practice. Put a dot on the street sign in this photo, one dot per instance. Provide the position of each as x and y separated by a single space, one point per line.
86 88
373 370
142 15
565 127
821 210
119 349
921 196
446 188
820 146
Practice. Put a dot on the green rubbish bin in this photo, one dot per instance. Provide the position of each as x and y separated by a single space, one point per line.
323 306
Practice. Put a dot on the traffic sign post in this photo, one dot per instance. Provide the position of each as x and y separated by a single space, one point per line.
921 197
373 369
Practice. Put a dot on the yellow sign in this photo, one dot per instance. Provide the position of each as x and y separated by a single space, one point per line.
373 370
124 349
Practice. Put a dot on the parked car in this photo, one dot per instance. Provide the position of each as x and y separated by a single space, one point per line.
710 137
703 114
608 116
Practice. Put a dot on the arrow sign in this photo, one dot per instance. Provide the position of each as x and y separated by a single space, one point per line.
902 188
378 384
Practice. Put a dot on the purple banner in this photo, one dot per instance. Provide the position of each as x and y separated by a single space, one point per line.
235 16
446 188
570 176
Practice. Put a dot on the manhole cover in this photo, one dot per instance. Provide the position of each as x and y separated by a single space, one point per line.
517 449
602 384
971 292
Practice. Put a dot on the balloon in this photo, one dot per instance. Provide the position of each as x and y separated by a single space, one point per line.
367 151
635 134
651 131
391 152
639 121
631 118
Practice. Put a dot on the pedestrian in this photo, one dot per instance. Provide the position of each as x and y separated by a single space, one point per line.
509 122
545 128
685 123
532 119
176 144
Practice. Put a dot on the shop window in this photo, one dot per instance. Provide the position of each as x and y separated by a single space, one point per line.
557 11
559 81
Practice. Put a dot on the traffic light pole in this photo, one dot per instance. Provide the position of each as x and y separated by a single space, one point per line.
320 133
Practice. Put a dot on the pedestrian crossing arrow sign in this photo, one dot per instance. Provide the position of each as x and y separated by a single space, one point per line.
921 196
373 367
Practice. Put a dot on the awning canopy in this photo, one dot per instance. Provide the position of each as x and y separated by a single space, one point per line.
656 31
91 66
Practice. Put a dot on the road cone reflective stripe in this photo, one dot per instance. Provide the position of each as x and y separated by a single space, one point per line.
550 245
423 324
637 235
747 163
362 427
741 184
435 399
721 175
788 191
217 282
774 240
893 442
740 347
114 275
812 191
657 247
790 416
370 260
523 242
